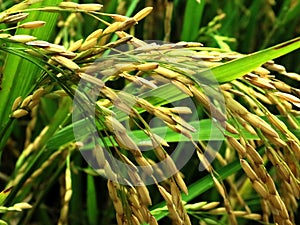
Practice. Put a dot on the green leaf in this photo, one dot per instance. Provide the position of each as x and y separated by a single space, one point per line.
20 75
92 208
192 19
4 194
237 68
2 222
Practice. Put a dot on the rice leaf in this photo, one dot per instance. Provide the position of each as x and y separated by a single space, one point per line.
237 68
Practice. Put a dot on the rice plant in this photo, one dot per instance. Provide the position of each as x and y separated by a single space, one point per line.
101 126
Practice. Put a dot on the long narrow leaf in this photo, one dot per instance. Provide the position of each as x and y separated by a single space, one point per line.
237 68
19 75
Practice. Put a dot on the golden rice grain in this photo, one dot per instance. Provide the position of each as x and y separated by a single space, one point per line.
276 141
65 62
261 71
98 152
90 7
133 198
275 67
129 144
26 101
147 66
68 5
145 165
75 46
127 161
144 195
38 43
295 147
88 44
237 146
210 205
260 189
109 172
32 25
288 222
170 164
22 205
253 216
175 217
277 123
196 206
120 219
230 128
53 48
135 220
180 182
182 87
287 97
263 98
220 210
266 210
250 129
159 78
158 150
176 196
204 162
182 122
225 87
281 86
96 34
37 94
248 170
256 121
22 38
192 44
119 18
125 67
124 106
239 213
15 18
261 82
19 113
219 187
2 35
33 103
68 54
295 186
284 171
166 195
112 191
112 28
292 121
293 201
91 79
254 155
142 14
170 74
293 76
284 213
276 202
260 171
164 117
16 103
236 106
152 220
109 93
146 83
180 110
270 184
